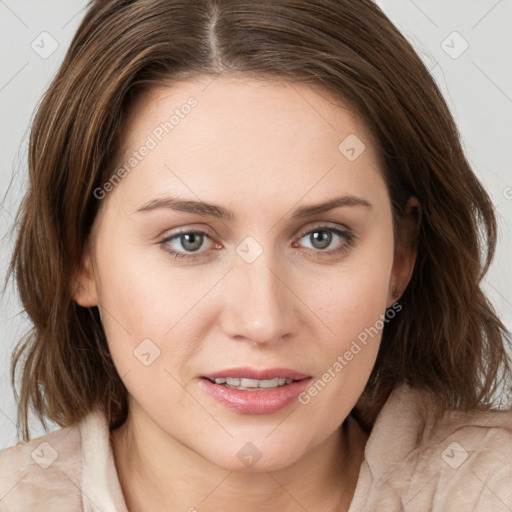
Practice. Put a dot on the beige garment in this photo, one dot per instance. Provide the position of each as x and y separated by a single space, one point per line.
463 463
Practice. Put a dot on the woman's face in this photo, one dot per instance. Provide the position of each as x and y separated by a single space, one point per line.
251 239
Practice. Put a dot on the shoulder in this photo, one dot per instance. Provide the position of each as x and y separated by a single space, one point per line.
69 470
43 472
461 460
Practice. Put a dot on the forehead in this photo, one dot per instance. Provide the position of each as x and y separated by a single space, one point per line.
226 135
243 107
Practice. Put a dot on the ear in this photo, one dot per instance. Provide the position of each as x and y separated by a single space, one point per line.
405 252
84 289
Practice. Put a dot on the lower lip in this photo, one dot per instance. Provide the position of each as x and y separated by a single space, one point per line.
265 401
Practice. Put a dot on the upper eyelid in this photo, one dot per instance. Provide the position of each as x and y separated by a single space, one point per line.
298 232
336 227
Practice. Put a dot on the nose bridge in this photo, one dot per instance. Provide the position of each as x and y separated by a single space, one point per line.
260 307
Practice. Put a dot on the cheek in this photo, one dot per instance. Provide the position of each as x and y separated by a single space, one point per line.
353 307
350 345
357 293
150 306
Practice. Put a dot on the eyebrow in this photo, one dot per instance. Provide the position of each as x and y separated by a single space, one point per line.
212 210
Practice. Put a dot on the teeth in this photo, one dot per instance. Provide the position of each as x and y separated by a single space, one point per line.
249 383
252 384
270 383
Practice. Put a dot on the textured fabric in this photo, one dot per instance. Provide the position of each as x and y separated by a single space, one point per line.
460 463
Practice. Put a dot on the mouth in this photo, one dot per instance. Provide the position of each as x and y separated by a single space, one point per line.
251 391
246 384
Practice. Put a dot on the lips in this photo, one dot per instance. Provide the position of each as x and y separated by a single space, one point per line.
252 391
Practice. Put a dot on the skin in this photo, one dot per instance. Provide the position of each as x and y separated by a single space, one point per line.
262 150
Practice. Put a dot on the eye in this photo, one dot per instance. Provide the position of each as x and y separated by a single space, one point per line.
328 240
324 241
183 242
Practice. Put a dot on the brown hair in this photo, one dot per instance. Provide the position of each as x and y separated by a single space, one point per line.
447 339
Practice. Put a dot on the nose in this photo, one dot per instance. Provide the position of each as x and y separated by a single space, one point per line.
258 305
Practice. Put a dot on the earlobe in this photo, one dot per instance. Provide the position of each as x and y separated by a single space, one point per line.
402 272
84 291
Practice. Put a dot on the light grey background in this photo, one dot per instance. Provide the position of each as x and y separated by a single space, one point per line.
477 83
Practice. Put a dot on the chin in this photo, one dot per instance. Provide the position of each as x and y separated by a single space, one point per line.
256 453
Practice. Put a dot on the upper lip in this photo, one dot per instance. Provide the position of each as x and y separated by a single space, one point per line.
254 373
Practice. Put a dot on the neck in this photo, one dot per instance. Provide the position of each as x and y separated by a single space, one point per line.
324 479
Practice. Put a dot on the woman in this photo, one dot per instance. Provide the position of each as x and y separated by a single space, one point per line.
250 249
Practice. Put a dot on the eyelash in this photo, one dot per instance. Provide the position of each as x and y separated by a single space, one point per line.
346 235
